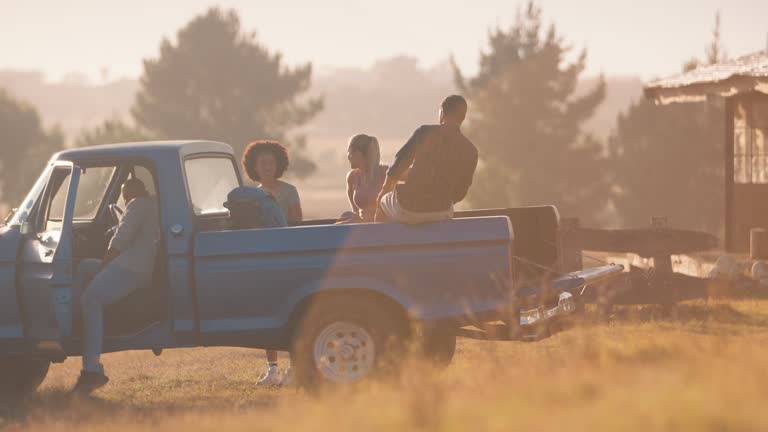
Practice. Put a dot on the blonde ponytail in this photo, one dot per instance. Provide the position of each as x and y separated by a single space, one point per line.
373 158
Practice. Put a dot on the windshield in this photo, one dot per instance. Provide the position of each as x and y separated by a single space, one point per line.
29 201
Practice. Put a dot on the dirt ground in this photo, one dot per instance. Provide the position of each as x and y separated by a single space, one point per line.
698 367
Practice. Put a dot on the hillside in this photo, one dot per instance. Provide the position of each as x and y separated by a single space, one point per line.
73 103
388 99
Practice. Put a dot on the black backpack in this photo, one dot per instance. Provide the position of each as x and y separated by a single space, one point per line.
251 207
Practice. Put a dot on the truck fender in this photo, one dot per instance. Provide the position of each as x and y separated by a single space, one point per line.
358 284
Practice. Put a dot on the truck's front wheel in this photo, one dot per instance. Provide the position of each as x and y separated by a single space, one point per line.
343 340
20 376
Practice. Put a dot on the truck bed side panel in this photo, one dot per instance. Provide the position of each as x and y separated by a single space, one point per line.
249 281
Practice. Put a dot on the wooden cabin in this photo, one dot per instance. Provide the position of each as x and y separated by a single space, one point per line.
743 82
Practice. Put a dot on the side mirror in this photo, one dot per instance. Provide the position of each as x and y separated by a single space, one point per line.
11 215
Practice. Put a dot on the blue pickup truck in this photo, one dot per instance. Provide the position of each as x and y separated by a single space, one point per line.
340 298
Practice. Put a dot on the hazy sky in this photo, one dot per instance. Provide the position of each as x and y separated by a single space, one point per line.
624 37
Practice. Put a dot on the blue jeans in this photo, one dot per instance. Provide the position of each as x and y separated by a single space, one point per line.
107 286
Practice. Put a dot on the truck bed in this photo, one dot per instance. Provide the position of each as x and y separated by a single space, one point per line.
535 236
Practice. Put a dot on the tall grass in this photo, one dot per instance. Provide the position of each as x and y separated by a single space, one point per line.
695 367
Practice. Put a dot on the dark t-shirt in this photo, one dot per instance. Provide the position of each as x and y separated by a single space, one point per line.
442 162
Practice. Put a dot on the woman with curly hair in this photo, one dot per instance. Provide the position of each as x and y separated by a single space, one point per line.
265 162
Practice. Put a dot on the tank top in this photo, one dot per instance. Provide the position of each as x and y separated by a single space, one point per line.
365 192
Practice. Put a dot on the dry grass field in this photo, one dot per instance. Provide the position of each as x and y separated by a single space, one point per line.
698 367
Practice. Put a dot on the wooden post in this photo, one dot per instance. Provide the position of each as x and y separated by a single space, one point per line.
758 243
662 262
728 165
570 249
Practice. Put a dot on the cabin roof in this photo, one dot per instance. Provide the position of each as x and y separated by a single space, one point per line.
745 74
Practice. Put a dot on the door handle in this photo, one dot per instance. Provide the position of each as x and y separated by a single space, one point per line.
48 252
177 230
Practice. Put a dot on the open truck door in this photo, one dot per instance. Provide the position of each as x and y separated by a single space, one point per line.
47 267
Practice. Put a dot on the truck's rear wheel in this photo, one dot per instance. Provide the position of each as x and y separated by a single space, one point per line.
439 345
20 376
344 340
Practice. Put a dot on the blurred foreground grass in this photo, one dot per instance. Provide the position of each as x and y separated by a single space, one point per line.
698 366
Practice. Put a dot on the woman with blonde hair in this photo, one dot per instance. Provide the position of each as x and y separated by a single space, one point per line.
365 178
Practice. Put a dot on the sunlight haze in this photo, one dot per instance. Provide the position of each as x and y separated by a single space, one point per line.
108 40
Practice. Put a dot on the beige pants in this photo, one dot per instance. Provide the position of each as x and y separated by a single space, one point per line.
395 213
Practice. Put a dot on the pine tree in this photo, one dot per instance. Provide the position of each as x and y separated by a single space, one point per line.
25 146
217 82
525 119
110 131
667 160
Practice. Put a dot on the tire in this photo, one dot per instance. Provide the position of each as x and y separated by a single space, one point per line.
438 345
344 340
20 376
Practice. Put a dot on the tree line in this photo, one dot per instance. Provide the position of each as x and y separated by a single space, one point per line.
527 120
217 81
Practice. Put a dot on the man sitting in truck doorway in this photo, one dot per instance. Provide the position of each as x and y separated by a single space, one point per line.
440 163
127 265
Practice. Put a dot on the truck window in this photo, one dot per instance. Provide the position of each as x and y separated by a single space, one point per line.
143 174
209 180
58 201
25 208
90 193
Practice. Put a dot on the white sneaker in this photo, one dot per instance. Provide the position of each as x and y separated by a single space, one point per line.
271 377
287 380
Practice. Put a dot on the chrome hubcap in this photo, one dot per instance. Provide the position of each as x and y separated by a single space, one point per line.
344 352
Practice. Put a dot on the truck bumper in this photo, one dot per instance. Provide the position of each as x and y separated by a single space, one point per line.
569 286
566 305
533 320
